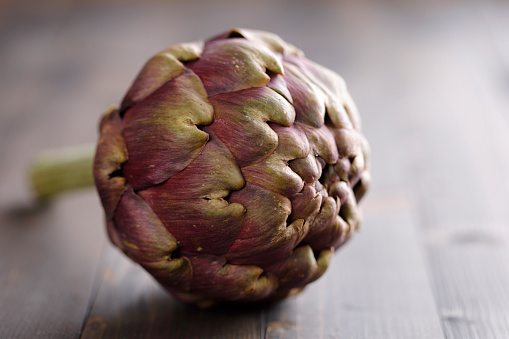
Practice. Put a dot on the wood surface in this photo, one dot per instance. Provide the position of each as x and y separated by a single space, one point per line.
431 80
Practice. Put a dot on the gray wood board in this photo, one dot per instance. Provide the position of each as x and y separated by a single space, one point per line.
48 253
49 256
459 162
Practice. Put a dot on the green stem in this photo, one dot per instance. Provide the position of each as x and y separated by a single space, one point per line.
57 171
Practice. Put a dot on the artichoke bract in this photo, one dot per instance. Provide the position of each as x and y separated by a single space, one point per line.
232 169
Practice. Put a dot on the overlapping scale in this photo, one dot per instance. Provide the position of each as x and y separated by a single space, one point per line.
162 133
233 168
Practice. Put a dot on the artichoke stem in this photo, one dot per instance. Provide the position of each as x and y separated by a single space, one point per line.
61 170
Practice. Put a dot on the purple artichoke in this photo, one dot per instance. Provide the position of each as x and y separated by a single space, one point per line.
232 169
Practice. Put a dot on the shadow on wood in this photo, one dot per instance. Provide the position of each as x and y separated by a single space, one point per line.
129 303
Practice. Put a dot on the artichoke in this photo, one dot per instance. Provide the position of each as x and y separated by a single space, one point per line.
232 169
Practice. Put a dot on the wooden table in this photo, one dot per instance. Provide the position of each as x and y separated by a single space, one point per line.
431 80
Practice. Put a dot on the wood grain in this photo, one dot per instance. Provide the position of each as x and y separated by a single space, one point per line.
130 304
431 81
48 254
456 159
468 234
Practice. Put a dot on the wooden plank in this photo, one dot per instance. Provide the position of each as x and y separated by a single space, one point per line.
470 274
48 255
130 304
469 259
376 287
459 167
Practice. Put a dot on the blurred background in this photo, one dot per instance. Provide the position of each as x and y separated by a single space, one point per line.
417 70
431 81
